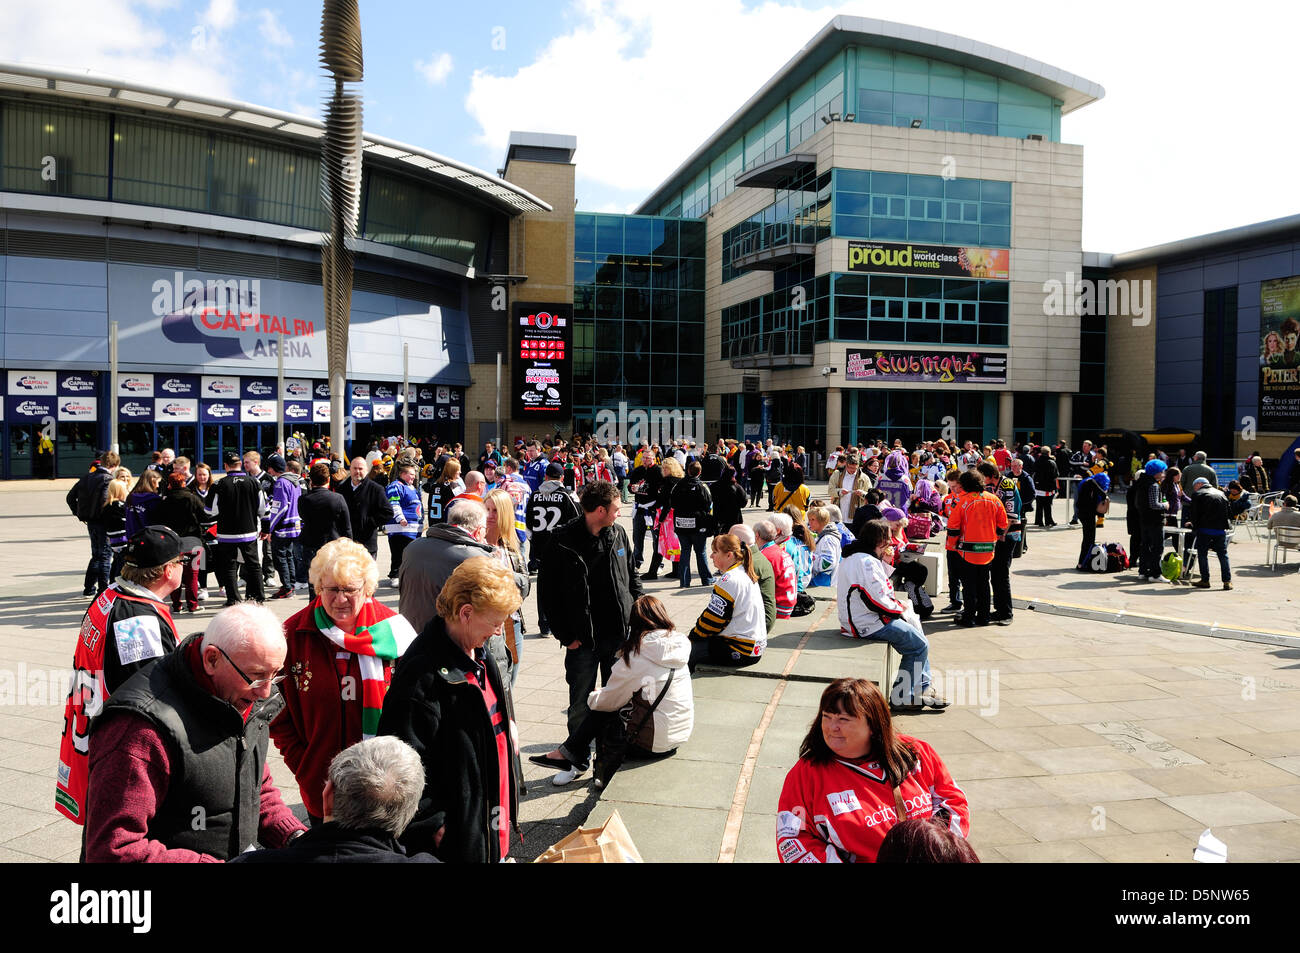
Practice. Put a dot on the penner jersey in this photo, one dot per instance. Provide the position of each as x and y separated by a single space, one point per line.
546 510
840 812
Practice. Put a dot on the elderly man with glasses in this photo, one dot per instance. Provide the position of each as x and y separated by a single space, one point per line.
178 768
341 652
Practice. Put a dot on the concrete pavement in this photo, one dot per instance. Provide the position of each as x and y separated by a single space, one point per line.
1074 739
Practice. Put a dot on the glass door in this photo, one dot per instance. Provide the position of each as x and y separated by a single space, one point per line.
75 447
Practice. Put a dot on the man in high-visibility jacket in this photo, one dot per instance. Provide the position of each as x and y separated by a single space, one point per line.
978 525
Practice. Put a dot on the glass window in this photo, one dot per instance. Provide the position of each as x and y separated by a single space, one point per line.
965 189
997 236
887 330
889 183
875 100
584 233
923 332
888 286
925 231
162 164
692 239
929 186
979 111
637 236
898 208
943 107
925 288
911 104
991 214
994 290
850 203
961 234
76 139
852 226
991 191
609 233
663 337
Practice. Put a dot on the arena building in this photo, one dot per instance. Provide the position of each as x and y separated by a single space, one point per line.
194 226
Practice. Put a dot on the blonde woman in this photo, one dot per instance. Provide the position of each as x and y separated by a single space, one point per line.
448 702
503 539
341 652
114 517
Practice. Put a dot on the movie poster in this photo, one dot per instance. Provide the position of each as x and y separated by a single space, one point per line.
1279 360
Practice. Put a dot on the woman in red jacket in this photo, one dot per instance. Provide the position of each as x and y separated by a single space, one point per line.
855 779
342 647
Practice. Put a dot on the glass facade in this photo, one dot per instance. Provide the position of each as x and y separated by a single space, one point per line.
892 206
638 314
99 154
879 87
800 214
915 415
913 310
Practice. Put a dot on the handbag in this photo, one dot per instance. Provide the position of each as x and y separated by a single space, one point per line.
640 724
670 547
1103 506
633 726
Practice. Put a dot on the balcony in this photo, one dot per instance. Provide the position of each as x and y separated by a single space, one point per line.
788 347
774 173
771 247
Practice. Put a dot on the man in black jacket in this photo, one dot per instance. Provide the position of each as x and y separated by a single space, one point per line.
324 516
587 588
692 506
238 505
1209 518
645 479
1045 488
86 500
371 796
367 505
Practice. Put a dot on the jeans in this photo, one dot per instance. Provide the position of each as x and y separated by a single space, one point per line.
580 668
228 570
101 557
1000 576
1043 505
756 490
976 580
694 540
641 524
914 669
1205 543
302 562
283 553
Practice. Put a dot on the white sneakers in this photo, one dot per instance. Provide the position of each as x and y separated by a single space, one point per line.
568 777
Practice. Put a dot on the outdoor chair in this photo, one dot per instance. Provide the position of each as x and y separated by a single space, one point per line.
1283 538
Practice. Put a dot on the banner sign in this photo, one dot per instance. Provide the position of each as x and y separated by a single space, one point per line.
384 392
1279 359
320 411
296 390
298 411
257 411
426 412
129 408
21 408
31 384
929 367
135 385
181 410
256 388
219 411
176 385
384 411
220 388
541 336
82 384
938 261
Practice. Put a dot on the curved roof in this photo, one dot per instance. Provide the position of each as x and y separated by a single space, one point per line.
90 87
1073 91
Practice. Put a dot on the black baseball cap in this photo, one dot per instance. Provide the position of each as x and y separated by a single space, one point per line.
554 470
231 457
152 546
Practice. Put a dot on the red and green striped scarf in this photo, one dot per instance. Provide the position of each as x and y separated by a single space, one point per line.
381 637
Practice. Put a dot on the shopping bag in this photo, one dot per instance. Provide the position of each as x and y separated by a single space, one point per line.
608 844
670 547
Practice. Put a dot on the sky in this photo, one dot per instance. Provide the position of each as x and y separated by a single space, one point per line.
1197 132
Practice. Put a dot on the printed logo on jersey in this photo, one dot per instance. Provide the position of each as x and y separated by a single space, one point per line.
788 824
138 638
842 802
790 850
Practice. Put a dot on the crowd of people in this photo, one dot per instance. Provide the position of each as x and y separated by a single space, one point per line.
158 727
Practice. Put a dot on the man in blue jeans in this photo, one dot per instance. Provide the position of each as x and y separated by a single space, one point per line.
1209 518
86 500
869 609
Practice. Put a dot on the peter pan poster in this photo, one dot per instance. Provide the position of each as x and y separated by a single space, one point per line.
1279 360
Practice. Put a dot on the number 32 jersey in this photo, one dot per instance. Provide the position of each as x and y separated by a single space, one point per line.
549 508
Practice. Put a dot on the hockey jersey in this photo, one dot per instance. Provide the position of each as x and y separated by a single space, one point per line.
404 500
977 525
735 614
865 598
787 583
840 812
124 630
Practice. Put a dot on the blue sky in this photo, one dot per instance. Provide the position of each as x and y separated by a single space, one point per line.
1196 132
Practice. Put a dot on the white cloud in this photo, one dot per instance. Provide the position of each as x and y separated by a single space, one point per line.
1194 133
436 70
271 30
642 85
220 14
115 38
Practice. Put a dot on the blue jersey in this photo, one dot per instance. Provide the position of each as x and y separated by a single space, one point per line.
405 503
535 473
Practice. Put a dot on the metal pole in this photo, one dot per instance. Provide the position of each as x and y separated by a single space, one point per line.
406 393
280 419
112 387
497 440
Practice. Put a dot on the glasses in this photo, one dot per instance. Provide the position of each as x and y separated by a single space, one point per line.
260 683
348 592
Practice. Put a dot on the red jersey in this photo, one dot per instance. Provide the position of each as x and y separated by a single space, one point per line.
977 525
840 812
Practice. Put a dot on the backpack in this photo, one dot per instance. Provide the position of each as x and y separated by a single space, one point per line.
919 598
803 604
1109 558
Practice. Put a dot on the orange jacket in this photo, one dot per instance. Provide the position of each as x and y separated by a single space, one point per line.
977 525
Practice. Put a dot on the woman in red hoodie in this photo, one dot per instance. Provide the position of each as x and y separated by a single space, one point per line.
856 779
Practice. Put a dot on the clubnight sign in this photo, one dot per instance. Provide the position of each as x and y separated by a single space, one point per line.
541 337
938 261
927 367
